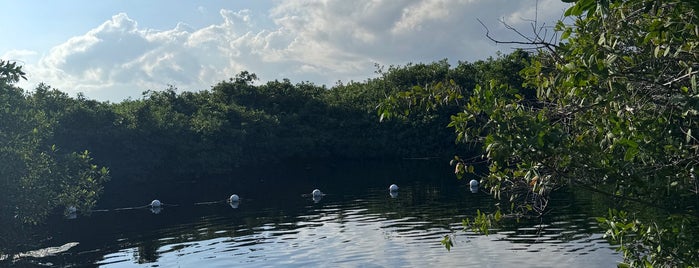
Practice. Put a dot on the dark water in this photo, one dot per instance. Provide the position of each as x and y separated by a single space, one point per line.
357 224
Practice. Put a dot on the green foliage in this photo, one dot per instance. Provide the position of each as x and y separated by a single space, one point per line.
615 110
10 72
36 176
448 242
669 241
483 222
237 123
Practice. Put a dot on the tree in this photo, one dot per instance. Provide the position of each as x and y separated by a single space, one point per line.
36 177
616 111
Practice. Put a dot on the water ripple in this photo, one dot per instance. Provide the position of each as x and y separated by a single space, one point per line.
364 228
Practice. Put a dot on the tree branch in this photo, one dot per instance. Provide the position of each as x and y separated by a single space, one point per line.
537 41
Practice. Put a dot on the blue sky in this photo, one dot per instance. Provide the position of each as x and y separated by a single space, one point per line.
112 50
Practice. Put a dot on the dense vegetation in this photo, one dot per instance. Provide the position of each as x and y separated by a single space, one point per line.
36 176
615 110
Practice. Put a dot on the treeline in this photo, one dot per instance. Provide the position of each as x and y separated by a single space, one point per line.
239 123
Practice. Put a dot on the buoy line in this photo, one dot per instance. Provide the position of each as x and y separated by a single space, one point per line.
234 201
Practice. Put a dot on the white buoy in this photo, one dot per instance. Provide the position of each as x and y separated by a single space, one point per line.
393 188
155 203
234 198
316 193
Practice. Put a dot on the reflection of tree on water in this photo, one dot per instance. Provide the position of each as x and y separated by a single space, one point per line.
15 238
147 252
567 219
22 244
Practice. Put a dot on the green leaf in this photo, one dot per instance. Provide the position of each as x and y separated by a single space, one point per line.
623 265
566 33
540 138
630 153
447 242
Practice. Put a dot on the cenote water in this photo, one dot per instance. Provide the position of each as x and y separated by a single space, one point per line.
356 224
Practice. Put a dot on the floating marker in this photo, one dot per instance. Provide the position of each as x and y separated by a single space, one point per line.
316 193
155 203
234 198
393 188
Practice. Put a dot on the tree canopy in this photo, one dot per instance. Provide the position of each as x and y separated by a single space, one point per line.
615 111
37 177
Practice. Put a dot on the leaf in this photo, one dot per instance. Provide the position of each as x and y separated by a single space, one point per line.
656 52
580 7
566 33
540 138
623 265
630 154
447 242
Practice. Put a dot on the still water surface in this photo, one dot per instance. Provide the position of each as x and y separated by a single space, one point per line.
357 224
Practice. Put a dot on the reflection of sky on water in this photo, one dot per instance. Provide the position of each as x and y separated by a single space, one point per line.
336 236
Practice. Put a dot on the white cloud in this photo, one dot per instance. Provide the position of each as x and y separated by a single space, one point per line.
14 55
308 40
414 16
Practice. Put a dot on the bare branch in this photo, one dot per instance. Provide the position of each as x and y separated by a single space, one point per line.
680 78
536 42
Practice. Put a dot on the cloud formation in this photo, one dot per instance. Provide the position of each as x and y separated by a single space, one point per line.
306 40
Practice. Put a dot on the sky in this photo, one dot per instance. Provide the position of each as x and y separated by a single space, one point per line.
113 50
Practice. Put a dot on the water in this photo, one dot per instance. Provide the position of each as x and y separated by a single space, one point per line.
357 224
